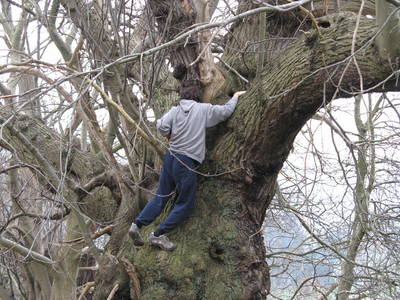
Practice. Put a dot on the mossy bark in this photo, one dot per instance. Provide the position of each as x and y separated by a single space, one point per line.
219 254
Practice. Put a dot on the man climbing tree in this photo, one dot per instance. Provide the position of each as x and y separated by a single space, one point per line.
185 128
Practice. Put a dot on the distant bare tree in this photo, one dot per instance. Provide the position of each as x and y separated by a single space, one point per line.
343 205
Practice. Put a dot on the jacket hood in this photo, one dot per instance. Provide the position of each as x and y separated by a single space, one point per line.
186 104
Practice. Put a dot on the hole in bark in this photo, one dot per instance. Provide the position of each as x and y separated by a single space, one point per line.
219 251
324 24
179 71
216 252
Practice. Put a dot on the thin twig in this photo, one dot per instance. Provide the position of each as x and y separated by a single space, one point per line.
86 289
232 69
113 291
94 236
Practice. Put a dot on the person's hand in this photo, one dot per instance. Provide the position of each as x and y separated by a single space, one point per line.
238 94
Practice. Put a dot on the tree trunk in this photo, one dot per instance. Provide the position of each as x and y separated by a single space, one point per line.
220 253
66 272
347 278
365 173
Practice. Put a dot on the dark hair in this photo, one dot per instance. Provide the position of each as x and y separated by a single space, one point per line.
179 72
191 89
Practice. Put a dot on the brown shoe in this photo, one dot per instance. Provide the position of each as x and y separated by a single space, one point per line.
135 235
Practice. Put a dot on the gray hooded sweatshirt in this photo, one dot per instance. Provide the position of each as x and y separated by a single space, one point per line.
187 123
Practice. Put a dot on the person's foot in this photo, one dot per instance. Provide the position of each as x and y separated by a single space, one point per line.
135 235
162 242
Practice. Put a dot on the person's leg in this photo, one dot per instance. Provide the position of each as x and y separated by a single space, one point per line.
154 207
166 186
186 183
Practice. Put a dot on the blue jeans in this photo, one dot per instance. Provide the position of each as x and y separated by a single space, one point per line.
176 173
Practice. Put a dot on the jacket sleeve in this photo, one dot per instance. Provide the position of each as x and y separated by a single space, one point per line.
164 125
219 113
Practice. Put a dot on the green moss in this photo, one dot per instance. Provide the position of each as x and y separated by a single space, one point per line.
155 292
100 197
198 262
190 271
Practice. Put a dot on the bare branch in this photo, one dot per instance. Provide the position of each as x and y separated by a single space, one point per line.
394 2
94 236
28 253
113 291
140 131
56 216
86 289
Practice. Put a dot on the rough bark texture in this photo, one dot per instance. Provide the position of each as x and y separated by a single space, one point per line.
219 254
390 31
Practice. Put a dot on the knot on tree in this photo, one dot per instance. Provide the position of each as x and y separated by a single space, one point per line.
216 251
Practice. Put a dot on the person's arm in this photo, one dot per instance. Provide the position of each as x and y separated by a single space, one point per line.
164 125
219 113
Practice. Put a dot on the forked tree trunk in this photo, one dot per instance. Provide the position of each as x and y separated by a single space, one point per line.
220 252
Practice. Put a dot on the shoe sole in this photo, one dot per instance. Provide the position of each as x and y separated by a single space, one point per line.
162 247
137 239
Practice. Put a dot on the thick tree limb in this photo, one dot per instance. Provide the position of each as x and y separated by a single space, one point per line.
388 20
394 2
28 253
134 279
